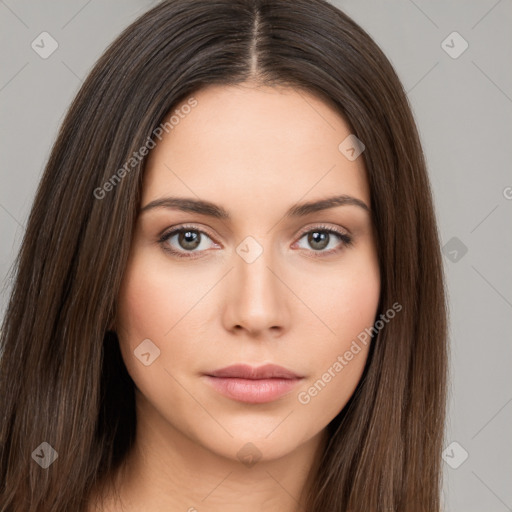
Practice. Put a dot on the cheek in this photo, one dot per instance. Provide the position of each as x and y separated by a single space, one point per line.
150 303
345 297
153 304
324 396
152 299
348 306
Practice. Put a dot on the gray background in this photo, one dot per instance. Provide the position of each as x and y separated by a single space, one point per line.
463 107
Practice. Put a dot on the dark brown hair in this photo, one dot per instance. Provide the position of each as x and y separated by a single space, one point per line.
63 380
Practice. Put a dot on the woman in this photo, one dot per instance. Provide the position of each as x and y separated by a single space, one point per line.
230 293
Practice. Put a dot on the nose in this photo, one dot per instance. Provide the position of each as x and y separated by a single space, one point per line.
257 300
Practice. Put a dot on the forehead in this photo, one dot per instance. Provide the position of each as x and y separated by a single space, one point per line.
254 142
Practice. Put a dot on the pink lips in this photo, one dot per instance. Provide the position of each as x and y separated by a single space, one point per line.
253 385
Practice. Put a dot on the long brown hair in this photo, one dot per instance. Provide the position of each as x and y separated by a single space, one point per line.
63 381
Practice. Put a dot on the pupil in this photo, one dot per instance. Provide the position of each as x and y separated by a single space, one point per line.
318 240
189 239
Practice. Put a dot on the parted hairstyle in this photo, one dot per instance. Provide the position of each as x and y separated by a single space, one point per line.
62 378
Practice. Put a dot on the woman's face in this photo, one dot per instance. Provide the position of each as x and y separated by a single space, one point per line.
267 283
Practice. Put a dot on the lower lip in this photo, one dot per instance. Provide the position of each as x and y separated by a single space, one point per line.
253 391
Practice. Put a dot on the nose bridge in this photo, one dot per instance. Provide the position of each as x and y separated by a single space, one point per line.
256 298
254 257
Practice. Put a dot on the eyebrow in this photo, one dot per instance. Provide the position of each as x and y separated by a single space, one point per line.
212 210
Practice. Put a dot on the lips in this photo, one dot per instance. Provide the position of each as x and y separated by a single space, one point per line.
244 371
253 385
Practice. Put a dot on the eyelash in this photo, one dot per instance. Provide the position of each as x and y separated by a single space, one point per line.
345 239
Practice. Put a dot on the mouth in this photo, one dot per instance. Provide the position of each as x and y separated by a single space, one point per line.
254 385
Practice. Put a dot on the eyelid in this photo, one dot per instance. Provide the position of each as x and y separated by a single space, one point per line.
193 227
345 237
167 232
323 227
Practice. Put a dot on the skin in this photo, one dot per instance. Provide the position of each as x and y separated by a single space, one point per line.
255 151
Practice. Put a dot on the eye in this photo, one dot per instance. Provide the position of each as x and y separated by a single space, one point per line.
184 241
321 237
186 238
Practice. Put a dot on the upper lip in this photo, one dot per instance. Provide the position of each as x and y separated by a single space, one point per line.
245 371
